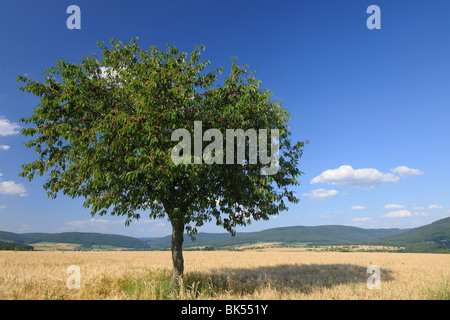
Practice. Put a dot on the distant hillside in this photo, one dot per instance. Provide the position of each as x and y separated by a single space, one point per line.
434 237
438 232
331 234
12 245
86 240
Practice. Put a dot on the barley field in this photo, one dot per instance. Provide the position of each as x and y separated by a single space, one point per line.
224 275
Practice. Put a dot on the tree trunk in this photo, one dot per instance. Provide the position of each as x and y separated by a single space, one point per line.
177 253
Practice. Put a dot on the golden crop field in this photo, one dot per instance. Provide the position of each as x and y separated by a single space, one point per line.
224 275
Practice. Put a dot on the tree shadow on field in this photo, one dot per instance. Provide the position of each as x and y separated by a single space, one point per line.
287 277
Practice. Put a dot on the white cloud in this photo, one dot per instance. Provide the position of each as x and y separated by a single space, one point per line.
393 206
157 223
422 214
95 225
404 171
364 219
142 221
321 193
8 128
24 227
330 214
10 187
398 214
102 223
357 208
359 178
92 223
435 206
3 147
162 224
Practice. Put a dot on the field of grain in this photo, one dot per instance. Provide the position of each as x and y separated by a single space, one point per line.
224 275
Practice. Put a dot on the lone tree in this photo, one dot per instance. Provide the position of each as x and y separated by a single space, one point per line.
103 130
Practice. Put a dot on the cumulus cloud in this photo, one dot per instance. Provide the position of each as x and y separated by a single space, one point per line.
12 188
320 194
404 171
359 178
357 207
435 206
393 206
3 147
398 214
8 128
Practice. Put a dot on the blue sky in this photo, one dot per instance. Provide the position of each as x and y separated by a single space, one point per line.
375 104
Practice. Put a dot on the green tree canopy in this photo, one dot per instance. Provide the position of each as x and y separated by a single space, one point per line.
103 131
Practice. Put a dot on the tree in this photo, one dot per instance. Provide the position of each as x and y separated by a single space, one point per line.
103 130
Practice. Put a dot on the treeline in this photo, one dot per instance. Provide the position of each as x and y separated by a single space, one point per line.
11 245
443 247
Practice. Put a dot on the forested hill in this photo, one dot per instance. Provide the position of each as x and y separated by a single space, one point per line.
434 237
331 234
437 232
85 240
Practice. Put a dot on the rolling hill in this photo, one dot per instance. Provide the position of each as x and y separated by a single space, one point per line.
86 240
436 232
12 245
434 237
330 234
